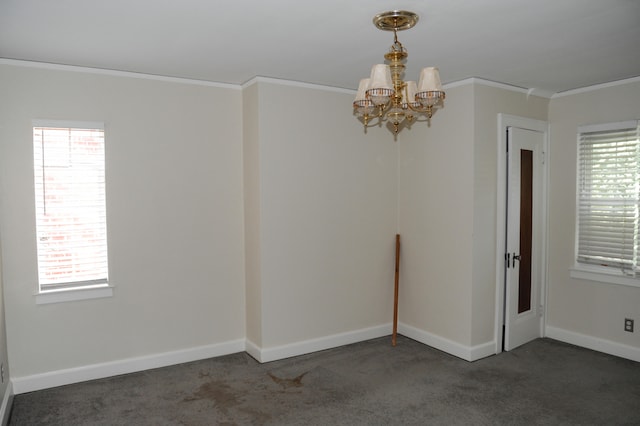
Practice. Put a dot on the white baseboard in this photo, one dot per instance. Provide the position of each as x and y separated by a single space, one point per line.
5 408
314 345
98 371
593 343
482 351
252 349
125 366
468 353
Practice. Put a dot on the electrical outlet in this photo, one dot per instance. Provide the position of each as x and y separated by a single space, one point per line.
628 325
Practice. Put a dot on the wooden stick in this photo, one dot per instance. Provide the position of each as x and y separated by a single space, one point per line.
395 296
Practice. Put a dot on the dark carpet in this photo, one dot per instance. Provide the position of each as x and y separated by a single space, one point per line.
544 382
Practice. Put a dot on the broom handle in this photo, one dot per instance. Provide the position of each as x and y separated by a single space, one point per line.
395 295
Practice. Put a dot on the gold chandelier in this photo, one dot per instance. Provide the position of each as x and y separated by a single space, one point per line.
384 96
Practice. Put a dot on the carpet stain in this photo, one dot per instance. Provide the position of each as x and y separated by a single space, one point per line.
296 382
219 392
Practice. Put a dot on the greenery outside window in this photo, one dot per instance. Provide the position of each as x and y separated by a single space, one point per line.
608 199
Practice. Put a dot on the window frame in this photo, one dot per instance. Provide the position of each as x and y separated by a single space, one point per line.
585 271
84 289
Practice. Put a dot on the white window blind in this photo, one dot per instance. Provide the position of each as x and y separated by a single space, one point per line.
609 196
69 172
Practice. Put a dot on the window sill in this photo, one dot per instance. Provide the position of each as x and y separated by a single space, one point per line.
604 277
59 296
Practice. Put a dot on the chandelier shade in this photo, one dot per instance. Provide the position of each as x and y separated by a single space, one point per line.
429 80
384 96
429 87
362 89
363 106
380 85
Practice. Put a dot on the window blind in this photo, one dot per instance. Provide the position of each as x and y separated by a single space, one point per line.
609 196
69 172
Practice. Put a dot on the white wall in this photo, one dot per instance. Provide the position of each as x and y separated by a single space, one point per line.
174 209
579 310
327 217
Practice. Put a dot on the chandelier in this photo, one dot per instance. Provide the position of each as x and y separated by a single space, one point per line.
385 97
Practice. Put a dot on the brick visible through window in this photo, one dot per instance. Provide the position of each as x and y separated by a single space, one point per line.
69 172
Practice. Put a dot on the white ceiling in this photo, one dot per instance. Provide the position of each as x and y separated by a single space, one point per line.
548 45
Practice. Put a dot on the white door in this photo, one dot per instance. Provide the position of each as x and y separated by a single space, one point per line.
523 298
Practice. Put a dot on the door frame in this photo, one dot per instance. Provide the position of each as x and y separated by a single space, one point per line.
505 121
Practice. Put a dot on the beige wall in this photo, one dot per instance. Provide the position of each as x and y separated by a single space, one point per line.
252 229
579 306
196 173
435 204
268 214
447 214
4 357
327 215
174 209
488 103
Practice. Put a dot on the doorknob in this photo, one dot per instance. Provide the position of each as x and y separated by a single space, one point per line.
515 257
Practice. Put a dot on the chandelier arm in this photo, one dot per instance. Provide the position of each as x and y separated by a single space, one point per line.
372 124
373 121
377 118
428 110
420 109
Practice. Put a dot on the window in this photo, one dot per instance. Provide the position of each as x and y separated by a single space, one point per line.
71 228
609 199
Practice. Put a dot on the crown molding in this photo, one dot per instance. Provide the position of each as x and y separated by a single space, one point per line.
459 83
483 82
260 79
541 93
115 73
291 83
489 83
597 87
